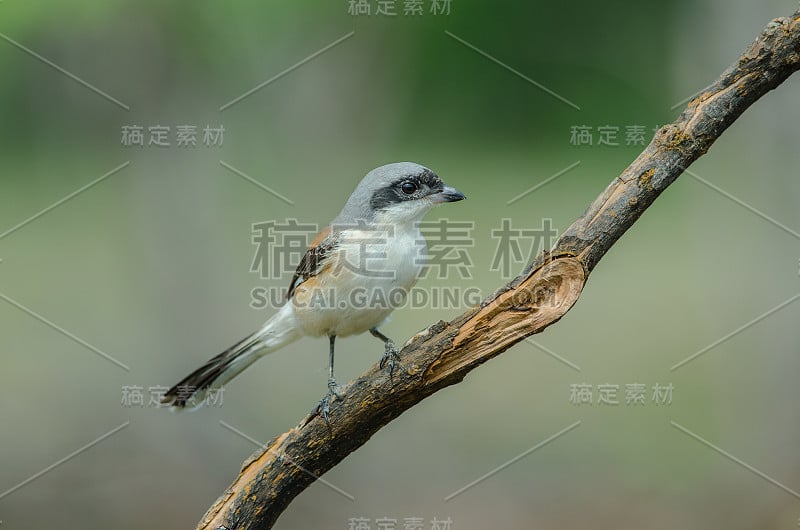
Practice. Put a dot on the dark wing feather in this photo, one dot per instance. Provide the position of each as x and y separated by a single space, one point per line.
309 266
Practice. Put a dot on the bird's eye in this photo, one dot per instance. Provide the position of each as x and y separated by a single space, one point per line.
408 187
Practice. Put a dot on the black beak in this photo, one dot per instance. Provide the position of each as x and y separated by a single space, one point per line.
448 194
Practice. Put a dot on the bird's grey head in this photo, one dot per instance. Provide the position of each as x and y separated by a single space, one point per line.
397 193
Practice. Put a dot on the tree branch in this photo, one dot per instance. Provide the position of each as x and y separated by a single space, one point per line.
445 352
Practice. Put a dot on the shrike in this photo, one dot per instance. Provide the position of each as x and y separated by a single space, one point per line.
354 273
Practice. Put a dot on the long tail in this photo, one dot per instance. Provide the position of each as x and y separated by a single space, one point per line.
278 331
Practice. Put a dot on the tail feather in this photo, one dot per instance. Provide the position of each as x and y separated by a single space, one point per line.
276 333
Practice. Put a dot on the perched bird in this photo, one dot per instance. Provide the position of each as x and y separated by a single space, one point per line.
354 273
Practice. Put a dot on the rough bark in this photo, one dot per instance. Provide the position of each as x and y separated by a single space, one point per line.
445 352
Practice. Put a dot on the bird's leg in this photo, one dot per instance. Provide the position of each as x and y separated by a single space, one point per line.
390 354
324 406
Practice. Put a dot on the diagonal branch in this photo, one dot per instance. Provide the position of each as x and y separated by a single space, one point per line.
445 352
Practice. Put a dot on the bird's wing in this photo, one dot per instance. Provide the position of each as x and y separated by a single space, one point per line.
310 265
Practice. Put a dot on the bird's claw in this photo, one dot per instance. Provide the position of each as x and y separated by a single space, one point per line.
324 407
390 355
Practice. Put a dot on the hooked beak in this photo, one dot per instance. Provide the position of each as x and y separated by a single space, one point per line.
448 194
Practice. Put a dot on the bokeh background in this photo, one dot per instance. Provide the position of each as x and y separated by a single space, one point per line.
151 265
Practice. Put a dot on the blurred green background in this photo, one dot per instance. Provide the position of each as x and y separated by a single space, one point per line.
151 265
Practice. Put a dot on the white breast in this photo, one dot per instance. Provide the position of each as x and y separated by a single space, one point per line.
363 281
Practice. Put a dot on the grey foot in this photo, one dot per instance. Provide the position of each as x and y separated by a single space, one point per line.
390 355
324 406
